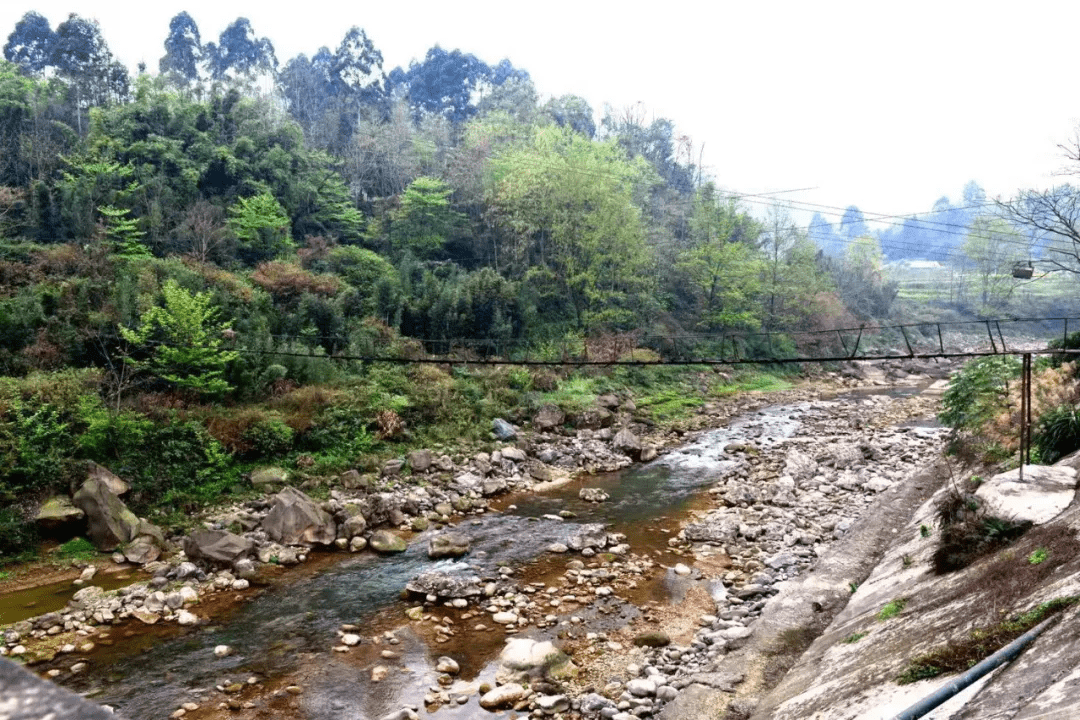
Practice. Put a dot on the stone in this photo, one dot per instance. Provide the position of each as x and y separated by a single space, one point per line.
392 467
551 704
58 514
217 546
493 486
350 639
387 541
627 443
379 673
353 480
524 658
295 519
110 522
222 651
717 528
681 569
503 430
608 401
450 544
420 460
1043 494
116 485
355 524
656 638
641 687
513 454
591 536
504 696
447 665
142 550
504 618
269 479
540 473
186 618
548 417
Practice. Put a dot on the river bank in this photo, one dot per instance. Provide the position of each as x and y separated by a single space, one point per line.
701 571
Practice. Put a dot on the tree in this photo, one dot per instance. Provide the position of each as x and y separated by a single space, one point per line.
574 112
82 58
184 338
993 246
261 227
31 44
183 50
1053 216
239 52
861 281
442 84
425 220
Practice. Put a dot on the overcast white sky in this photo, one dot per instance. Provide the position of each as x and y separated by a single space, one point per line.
885 108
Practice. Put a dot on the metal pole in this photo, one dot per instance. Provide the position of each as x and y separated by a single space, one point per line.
1027 420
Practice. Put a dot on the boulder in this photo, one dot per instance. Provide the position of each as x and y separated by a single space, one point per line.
549 417
114 483
715 529
392 467
385 541
503 430
420 460
504 696
446 585
656 638
217 546
451 544
524 659
110 522
1043 494
591 535
142 550
354 524
381 509
593 419
493 486
269 479
295 519
513 454
353 480
594 495
608 401
58 514
627 443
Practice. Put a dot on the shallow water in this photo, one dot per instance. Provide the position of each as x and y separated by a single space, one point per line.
276 632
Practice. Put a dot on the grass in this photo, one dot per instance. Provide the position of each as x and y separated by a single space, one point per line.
1038 555
957 656
76 549
855 637
892 608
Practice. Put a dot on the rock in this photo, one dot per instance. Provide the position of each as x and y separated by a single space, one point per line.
648 453
551 704
503 430
523 659
627 443
269 479
513 454
222 651
450 544
504 618
392 467
217 546
58 514
146 617
1043 494
447 665
295 519
655 638
593 419
549 417
420 460
379 673
716 528
641 687
386 541
353 480
186 618
608 401
681 569
357 544
96 472
142 550
540 473
591 536
493 486
350 639
110 522
557 548
504 696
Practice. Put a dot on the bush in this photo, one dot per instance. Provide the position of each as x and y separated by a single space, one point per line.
978 392
1057 433
18 537
968 532
269 437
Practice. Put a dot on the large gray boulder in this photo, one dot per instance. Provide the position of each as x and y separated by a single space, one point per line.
217 546
387 541
109 521
269 479
1039 497
420 460
627 443
295 519
450 544
114 483
503 430
58 514
591 536
445 585
549 417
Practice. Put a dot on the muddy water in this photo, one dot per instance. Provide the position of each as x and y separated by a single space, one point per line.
291 627
43 599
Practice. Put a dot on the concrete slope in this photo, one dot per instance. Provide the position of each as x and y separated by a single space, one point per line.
850 670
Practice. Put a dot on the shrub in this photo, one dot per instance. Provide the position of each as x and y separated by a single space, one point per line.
269 437
978 392
1057 433
968 532
18 537
892 608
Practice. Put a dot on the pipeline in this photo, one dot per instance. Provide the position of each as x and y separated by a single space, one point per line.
1002 656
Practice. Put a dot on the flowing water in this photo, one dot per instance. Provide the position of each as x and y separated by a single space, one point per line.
151 674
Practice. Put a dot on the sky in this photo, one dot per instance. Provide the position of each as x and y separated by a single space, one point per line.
847 103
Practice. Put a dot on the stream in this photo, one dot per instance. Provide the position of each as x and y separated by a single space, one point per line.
290 627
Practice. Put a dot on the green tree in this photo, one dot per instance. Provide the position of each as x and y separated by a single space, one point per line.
123 232
184 338
571 229
425 220
261 227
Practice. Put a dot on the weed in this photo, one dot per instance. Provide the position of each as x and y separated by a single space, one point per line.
76 549
852 587
892 609
1038 555
968 532
980 643
855 637
908 562
924 531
